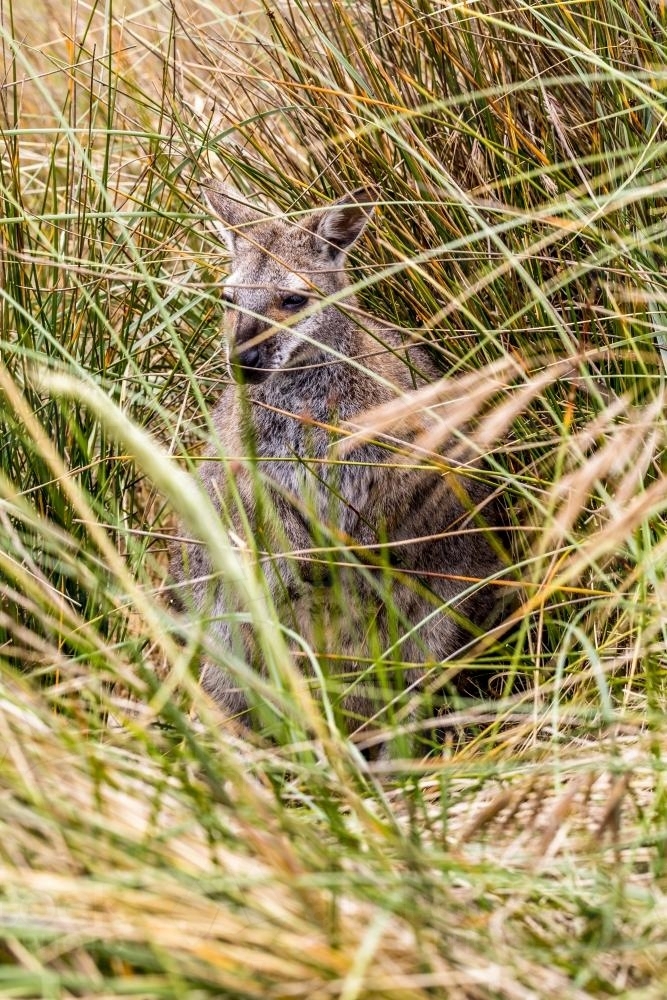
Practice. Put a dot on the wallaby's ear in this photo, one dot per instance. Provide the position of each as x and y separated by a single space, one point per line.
340 224
231 211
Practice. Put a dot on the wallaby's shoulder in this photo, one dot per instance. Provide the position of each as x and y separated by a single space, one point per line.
399 358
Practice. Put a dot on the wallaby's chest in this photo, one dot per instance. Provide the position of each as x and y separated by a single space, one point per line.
288 435
294 447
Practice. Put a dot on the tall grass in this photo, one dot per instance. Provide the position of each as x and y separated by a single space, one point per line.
148 850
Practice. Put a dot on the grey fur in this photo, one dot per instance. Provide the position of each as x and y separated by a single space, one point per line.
312 368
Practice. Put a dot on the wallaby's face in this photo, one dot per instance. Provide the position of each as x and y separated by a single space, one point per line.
280 271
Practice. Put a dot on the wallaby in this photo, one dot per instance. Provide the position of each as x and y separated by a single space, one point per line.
304 360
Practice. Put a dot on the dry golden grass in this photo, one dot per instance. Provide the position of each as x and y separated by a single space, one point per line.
146 848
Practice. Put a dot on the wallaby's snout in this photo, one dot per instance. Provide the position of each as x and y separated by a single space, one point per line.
264 327
249 350
247 366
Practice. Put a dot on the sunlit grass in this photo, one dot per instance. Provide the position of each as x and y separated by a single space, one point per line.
146 848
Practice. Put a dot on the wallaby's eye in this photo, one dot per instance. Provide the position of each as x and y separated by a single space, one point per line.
294 301
227 299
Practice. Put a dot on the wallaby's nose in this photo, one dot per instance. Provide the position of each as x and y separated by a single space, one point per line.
246 362
246 366
249 358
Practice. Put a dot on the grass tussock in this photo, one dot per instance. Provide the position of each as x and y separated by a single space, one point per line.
147 850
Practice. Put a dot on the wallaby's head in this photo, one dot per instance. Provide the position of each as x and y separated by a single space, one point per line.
280 269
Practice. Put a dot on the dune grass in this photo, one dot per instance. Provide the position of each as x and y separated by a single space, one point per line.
147 850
